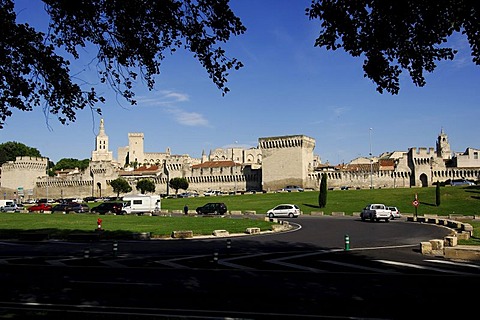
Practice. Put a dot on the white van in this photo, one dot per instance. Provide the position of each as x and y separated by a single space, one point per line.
141 203
8 203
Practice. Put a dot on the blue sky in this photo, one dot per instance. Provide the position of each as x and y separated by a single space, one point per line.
287 87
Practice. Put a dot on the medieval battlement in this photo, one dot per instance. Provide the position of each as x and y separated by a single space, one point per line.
28 163
282 142
422 152
135 135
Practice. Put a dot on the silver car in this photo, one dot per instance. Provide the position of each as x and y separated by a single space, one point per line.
10 208
284 210
293 188
395 213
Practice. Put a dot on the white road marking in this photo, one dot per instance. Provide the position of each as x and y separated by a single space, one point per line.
461 264
416 266
356 266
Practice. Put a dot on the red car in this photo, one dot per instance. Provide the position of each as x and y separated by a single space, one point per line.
40 207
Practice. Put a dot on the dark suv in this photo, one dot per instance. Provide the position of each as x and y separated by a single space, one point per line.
108 207
213 208
70 207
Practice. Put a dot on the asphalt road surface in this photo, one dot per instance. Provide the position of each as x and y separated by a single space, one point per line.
310 273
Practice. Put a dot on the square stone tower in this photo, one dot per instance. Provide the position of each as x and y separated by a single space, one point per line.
286 160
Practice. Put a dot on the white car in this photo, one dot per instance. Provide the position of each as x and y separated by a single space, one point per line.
284 210
211 193
395 213
293 188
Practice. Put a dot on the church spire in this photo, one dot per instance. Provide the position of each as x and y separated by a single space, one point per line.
101 152
443 146
102 128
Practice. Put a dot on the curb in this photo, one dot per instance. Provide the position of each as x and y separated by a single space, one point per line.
448 247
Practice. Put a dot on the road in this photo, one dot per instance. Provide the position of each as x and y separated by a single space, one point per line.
303 274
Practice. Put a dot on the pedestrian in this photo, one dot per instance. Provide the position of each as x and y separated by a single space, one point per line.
185 209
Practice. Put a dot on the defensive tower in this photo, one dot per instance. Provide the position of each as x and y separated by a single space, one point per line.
286 160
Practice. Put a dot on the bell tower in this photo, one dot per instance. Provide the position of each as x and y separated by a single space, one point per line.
101 152
443 146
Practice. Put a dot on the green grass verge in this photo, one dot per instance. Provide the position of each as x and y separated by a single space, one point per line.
60 226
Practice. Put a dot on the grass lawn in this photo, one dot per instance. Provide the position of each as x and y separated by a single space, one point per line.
454 200
60 225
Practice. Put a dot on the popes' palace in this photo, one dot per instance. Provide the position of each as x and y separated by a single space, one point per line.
275 163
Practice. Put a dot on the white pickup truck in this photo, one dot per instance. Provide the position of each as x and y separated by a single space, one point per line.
375 212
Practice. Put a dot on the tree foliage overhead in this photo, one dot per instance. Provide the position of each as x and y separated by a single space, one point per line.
396 35
131 38
10 150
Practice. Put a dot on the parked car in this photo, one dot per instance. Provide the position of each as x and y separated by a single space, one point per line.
61 207
395 213
461 182
188 194
211 193
70 207
11 207
40 207
284 210
89 199
78 207
212 208
44 200
293 188
108 207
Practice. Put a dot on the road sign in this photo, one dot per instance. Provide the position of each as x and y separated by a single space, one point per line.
415 203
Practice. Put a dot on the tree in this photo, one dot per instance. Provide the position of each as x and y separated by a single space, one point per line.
10 150
132 38
396 35
120 185
71 163
145 185
322 196
437 194
178 183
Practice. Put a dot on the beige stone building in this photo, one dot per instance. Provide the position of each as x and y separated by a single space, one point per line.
270 166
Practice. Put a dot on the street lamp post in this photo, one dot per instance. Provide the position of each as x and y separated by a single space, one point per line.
371 160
